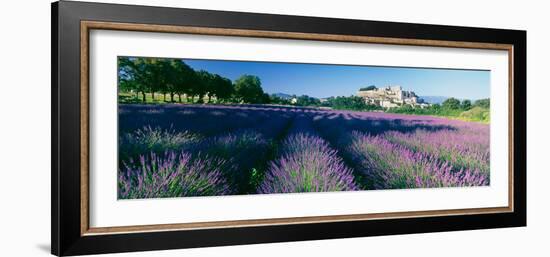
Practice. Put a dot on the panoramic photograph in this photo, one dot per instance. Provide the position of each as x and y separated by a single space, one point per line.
193 127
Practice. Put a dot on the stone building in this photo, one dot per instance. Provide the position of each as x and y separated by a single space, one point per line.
390 96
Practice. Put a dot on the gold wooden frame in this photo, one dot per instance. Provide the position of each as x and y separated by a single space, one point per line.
86 26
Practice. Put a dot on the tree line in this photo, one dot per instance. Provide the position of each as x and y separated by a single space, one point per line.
353 103
478 110
173 77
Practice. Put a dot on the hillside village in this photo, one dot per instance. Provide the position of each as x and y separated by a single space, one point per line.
390 97
386 97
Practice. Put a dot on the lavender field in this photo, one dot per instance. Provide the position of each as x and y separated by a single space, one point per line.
175 150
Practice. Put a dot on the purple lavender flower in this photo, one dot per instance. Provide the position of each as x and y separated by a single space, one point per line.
148 139
242 151
172 175
387 165
463 148
237 141
307 165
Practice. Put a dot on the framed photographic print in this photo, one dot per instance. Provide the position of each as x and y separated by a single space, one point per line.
177 128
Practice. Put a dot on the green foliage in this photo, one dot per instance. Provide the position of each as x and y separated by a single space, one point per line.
265 99
139 74
155 140
278 100
305 100
204 85
451 104
184 79
466 105
371 87
223 88
354 103
248 89
143 76
483 103
256 178
141 79
476 114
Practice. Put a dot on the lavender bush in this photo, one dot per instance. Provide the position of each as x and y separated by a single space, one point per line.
204 120
247 149
148 139
387 165
172 175
307 165
463 149
242 152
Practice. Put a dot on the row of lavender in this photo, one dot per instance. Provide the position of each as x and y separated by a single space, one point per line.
306 163
177 160
393 151
206 150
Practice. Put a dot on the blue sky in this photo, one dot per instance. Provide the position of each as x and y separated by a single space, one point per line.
322 80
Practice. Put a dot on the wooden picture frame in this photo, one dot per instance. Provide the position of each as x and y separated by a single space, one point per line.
71 25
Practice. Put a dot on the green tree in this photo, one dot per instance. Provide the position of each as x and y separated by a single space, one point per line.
355 103
466 105
171 76
248 89
278 100
305 100
204 85
451 104
184 79
166 82
371 87
126 77
483 103
139 74
223 88
148 74
154 77
265 99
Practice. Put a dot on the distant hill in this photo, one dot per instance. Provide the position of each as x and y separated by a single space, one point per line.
434 99
283 95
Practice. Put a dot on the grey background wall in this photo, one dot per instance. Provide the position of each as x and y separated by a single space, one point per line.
25 127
